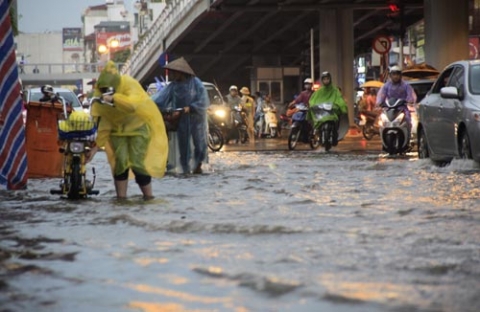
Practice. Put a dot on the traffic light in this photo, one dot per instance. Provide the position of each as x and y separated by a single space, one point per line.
394 9
396 14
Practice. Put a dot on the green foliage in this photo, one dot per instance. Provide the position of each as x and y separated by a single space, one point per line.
121 56
13 20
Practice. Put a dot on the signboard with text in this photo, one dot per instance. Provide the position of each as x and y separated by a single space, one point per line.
72 39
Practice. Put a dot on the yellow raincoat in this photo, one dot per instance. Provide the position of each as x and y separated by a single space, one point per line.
134 123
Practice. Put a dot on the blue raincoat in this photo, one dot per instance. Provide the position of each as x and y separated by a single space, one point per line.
192 129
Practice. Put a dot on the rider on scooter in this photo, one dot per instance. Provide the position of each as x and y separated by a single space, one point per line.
398 89
328 93
305 95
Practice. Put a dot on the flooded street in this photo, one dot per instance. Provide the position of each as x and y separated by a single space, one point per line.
260 231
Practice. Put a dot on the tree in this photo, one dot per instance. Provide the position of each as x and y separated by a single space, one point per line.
121 56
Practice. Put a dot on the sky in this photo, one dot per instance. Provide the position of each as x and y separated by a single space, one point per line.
38 16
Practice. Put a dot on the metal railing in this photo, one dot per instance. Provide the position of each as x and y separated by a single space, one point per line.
61 68
173 12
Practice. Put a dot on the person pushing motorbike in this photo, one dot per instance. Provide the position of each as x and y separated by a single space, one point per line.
398 89
132 131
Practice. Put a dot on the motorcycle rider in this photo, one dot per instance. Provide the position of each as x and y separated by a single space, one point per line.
265 104
233 99
398 89
328 93
305 95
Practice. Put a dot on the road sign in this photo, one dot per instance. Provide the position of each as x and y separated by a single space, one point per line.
381 44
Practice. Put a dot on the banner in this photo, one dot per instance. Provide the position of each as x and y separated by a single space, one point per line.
72 39
13 154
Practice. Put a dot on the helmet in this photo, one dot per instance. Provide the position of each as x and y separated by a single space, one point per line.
326 74
308 80
395 69
232 87
47 90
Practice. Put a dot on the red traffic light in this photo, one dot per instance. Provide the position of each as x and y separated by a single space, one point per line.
394 8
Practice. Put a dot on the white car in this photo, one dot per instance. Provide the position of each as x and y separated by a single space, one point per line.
34 95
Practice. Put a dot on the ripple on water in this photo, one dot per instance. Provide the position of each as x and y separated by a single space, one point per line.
269 285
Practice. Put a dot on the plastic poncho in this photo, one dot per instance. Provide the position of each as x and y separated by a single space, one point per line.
191 134
134 125
328 94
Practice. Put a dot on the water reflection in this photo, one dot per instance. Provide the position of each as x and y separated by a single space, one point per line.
303 231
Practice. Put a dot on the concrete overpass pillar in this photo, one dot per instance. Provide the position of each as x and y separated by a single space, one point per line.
337 51
446 31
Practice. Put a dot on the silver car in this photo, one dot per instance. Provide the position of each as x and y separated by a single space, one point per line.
34 95
449 116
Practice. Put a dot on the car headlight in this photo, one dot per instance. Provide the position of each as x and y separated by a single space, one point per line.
220 113
76 147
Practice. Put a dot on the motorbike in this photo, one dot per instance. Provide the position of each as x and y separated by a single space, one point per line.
368 122
239 124
76 133
394 128
215 134
300 130
267 124
326 128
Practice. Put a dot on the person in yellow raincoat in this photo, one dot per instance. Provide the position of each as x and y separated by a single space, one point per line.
132 131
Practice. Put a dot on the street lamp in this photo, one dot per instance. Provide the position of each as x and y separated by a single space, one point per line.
105 49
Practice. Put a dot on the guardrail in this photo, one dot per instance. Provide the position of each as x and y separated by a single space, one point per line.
61 68
172 13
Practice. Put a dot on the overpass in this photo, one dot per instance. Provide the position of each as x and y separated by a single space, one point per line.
58 74
267 43
224 39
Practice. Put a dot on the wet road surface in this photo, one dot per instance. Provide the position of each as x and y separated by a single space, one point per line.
269 230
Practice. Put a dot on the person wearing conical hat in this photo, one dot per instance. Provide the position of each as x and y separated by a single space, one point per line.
186 91
249 104
132 131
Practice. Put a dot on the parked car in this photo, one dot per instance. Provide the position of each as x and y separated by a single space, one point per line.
34 95
449 115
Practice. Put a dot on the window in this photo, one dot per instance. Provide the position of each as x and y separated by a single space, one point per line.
474 79
456 79
442 80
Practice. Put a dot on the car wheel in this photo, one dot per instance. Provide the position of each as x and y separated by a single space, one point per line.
422 145
464 148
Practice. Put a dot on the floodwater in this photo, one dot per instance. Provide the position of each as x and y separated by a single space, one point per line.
260 231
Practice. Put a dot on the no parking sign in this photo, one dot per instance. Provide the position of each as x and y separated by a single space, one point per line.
381 44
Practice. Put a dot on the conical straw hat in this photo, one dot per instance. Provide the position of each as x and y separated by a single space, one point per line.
180 65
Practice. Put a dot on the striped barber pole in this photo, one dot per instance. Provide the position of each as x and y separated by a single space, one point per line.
13 156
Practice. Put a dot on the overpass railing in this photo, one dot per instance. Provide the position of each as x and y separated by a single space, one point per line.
61 68
173 12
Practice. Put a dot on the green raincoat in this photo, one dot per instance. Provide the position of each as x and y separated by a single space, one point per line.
328 94
132 132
